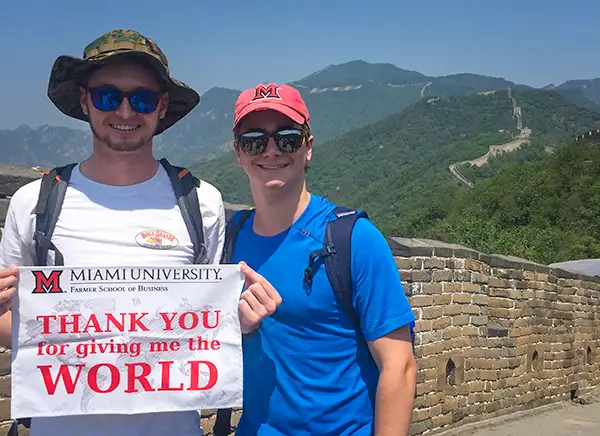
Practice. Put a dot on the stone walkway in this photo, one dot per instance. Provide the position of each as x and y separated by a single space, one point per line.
570 420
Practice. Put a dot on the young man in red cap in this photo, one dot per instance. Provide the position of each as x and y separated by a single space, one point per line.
308 370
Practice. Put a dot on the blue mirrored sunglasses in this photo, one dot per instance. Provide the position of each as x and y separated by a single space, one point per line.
109 99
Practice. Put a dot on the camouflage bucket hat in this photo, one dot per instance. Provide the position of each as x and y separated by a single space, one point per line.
68 72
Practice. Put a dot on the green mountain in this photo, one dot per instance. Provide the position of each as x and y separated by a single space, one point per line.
585 93
547 210
398 168
340 98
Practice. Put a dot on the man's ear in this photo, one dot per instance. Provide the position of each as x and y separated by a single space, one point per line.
237 153
164 104
309 148
83 100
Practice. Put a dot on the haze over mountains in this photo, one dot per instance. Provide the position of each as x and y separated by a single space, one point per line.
340 97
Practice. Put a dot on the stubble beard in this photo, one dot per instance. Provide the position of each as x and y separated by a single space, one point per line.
120 145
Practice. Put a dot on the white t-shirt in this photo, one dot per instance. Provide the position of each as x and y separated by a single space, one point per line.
105 225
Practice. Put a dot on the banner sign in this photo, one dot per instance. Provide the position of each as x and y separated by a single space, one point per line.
126 340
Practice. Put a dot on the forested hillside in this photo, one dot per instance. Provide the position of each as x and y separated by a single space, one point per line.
547 211
397 168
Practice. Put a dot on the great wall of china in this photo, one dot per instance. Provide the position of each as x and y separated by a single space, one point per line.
495 335
496 150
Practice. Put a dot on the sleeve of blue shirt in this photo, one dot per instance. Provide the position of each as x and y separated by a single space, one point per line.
379 297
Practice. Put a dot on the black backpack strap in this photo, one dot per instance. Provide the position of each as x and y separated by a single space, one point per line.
222 425
14 428
336 252
338 237
50 200
232 228
53 188
184 185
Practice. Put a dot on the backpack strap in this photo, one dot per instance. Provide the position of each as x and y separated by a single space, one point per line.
338 237
336 252
222 426
50 200
53 188
14 428
184 185
232 228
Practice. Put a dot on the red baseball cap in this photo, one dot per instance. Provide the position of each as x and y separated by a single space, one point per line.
280 98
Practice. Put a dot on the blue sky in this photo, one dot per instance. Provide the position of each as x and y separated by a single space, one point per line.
235 43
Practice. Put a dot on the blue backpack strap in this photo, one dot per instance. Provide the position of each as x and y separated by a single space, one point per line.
184 185
47 210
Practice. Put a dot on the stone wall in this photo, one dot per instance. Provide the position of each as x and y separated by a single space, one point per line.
494 334
12 177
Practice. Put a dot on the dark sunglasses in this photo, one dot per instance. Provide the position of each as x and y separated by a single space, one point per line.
288 140
109 99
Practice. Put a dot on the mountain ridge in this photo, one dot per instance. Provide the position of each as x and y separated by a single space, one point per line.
341 97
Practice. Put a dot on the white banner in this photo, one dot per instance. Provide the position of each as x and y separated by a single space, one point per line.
126 340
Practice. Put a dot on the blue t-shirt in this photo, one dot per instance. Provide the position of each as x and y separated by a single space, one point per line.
306 371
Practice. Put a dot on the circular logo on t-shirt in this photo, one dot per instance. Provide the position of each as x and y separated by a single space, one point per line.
156 239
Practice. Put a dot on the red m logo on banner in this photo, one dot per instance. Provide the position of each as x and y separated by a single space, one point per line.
47 284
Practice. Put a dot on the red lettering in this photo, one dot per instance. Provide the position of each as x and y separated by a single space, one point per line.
195 379
64 373
166 377
205 314
92 323
110 318
168 321
202 344
195 320
190 320
45 322
64 322
71 323
69 381
135 321
142 378
44 285
115 378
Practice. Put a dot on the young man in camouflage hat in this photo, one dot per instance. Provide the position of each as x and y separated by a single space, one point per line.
123 89
320 365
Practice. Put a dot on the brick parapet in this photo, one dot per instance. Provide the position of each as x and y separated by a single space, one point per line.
495 334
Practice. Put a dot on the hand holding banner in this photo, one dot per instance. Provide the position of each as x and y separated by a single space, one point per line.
126 340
